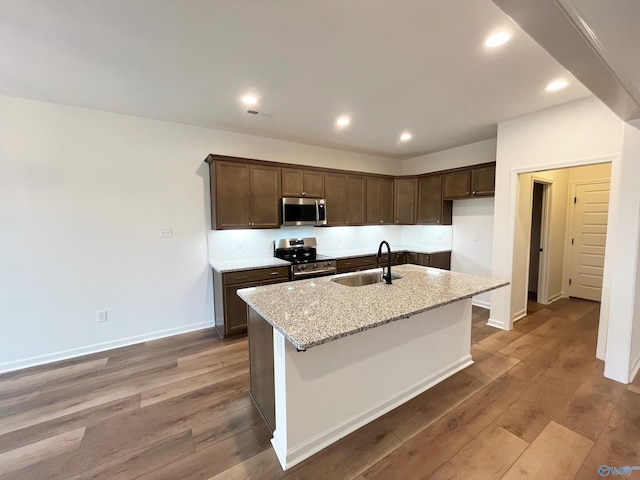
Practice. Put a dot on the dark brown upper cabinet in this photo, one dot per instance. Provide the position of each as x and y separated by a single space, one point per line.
345 195
245 196
302 183
404 191
246 193
432 210
483 181
470 182
379 200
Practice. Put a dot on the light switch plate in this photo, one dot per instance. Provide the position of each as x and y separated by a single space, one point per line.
166 232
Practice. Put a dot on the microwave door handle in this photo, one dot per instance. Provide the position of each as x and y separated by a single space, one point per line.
317 212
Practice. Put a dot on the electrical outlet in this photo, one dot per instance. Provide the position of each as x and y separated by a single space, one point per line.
476 237
101 316
166 232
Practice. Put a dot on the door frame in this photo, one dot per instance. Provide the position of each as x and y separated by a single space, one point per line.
543 262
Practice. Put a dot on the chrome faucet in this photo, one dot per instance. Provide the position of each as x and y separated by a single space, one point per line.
387 277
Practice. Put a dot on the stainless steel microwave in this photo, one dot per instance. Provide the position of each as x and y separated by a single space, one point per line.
303 211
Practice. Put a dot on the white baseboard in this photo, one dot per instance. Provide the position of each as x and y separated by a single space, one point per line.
635 366
98 347
556 297
480 303
519 315
336 432
492 322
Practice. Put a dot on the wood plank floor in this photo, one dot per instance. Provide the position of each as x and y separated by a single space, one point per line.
534 405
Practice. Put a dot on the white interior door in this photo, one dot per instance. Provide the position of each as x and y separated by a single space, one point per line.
588 234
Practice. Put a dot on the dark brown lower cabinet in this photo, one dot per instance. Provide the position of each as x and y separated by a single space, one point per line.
345 265
230 309
262 383
437 260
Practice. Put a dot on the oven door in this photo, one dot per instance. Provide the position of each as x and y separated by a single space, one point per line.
313 274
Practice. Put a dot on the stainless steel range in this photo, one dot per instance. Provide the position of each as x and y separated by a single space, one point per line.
301 252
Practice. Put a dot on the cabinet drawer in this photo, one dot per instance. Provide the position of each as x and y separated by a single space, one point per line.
249 276
357 263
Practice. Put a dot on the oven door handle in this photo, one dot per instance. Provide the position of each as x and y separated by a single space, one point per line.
315 272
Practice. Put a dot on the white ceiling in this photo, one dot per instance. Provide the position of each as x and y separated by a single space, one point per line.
393 66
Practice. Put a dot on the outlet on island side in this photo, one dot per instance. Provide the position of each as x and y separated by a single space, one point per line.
166 232
101 316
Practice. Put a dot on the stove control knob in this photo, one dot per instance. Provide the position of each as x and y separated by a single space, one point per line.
302 267
315 265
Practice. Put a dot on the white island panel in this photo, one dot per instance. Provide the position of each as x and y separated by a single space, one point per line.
333 389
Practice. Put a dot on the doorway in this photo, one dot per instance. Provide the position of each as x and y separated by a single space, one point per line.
537 245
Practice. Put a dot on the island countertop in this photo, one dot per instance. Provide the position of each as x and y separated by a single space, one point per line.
316 311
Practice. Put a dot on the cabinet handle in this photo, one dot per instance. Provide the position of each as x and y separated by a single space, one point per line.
381 221
274 273
437 221
241 278
346 221
347 263
473 193
304 193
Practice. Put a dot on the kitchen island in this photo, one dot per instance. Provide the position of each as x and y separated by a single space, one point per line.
327 358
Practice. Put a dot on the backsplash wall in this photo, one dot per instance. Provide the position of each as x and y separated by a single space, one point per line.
240 244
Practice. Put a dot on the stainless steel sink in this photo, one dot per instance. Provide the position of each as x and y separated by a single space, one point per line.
359 280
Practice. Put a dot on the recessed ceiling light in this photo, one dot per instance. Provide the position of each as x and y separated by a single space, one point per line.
405 137
497 39
249 100
556 85
343 121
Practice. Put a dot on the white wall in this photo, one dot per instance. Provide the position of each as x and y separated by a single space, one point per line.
623 332
472 154
83 195
473 240
573 134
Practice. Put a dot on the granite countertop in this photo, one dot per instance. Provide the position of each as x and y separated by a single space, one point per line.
316 311
359 252
226 266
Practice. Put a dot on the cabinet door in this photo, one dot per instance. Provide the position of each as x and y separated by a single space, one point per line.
373 201
413 258
425 260
313 184
386 200
440 260
231 195
291 182
336 196
264 188
302 183
483 182
457 185
356 200
405 201
430 205
235 311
